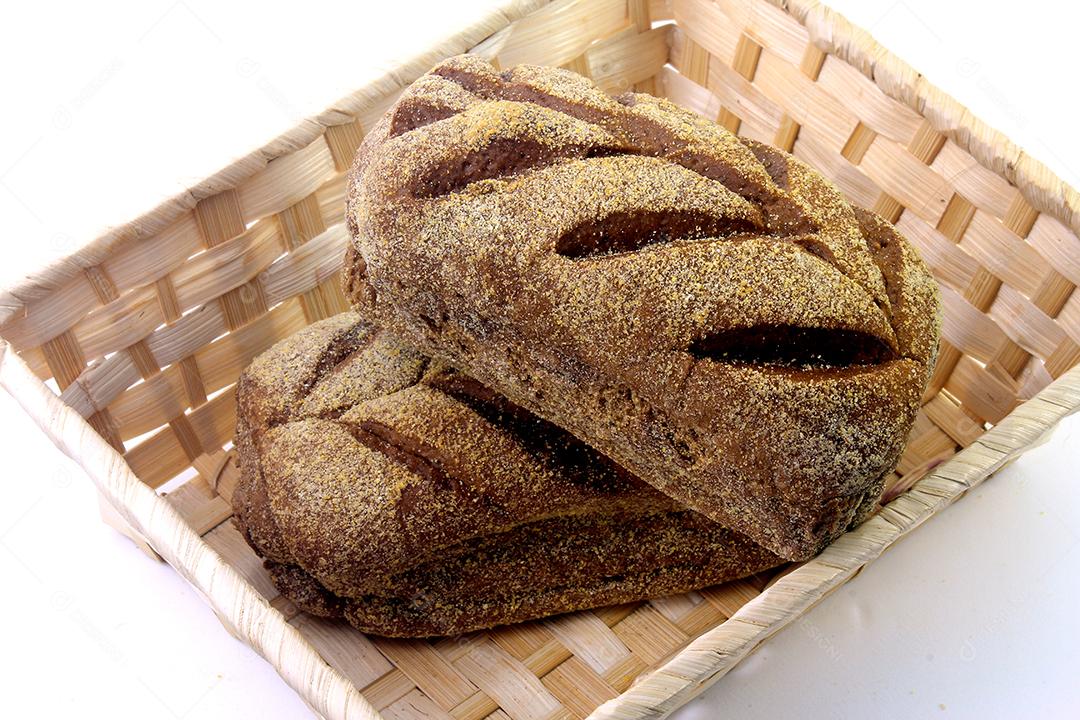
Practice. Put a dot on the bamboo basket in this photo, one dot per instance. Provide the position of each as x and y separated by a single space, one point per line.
125 353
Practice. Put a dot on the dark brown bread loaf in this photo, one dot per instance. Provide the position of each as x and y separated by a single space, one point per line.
536 570
705 310
414 501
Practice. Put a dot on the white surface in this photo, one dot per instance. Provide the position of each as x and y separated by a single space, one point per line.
124 103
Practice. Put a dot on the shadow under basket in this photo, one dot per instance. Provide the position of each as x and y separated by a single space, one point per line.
144 331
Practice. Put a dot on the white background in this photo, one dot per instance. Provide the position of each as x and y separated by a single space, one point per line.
111 106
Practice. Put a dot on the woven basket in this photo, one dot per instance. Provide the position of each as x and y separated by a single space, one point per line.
126 352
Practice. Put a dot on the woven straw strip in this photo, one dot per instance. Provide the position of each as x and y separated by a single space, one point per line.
553 34
186 334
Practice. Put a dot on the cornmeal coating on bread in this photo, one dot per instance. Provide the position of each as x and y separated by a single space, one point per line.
414 501
707 311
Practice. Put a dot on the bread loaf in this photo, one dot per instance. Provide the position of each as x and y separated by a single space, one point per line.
703 309
414 501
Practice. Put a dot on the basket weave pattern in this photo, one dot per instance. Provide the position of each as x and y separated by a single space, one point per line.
145 331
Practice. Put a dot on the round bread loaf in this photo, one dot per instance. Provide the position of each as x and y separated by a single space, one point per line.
414 501
706 310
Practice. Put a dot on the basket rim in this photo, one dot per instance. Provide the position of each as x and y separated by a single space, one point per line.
709 656
828 29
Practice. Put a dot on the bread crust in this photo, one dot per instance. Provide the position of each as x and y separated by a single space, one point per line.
413 501
706 310
539 569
